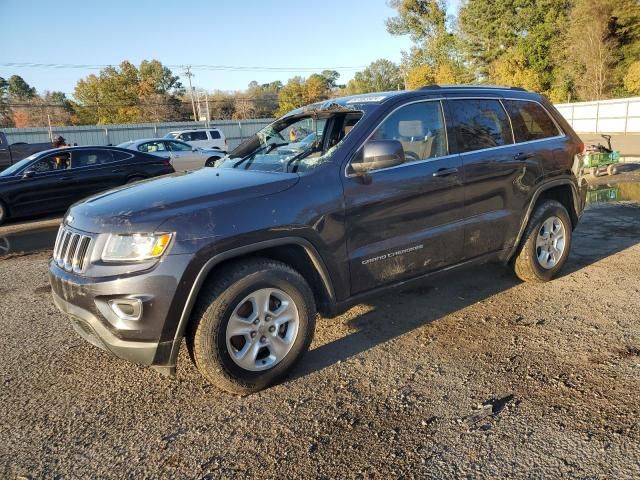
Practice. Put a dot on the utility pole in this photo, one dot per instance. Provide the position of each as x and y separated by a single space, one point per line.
187 72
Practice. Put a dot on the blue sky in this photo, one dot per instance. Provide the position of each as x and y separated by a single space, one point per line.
285 33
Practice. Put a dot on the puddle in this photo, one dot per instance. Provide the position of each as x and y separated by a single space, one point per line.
614 192
28 242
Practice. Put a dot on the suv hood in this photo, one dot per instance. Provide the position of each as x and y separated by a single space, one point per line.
143 206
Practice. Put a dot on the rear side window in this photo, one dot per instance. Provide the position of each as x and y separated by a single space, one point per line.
530 121
479 124
214 134
201 135
90 158
117 156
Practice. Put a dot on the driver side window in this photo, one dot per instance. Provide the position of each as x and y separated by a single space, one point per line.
52 163
419 127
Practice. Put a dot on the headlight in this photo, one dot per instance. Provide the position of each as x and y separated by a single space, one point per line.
135 247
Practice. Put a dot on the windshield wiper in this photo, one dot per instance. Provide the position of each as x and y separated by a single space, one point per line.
266 149
301 155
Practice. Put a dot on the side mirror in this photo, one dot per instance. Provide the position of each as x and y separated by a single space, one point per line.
29 174
377 154
194 149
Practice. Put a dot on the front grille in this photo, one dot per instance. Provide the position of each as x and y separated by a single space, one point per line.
72 250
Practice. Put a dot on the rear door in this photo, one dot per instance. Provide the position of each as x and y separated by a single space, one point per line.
96 170
406 220
498 179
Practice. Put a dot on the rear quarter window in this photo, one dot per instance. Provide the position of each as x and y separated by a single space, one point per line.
479 124
530 121
214 134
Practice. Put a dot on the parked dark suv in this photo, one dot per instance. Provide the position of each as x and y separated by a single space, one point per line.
238 259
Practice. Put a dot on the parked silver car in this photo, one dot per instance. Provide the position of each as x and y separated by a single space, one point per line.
182 155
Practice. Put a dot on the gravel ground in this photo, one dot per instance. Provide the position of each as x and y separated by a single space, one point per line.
474 375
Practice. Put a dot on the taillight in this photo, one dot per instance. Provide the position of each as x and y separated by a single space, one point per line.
581 148
225 143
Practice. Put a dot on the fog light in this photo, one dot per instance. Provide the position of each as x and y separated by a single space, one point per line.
127 308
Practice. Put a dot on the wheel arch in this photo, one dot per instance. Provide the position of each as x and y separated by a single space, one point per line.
562 190
296 252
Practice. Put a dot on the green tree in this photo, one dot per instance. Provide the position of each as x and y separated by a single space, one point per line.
632 79
436 43
19 89
291 96
381 75
125 94
533 28
6 119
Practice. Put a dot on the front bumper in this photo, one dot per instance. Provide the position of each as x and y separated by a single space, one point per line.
147 340
89 327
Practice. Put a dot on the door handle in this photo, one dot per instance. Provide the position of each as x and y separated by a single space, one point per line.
65 178
117 170
444 172
523 156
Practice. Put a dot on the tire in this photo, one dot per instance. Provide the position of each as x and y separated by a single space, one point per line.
612 169
527 263
3 213
211 162
134 180
218 354
596 172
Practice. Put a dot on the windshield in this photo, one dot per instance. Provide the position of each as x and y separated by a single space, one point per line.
16 167
125 144
171 135
295 143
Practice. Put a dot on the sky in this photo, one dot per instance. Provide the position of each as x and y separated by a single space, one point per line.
296 37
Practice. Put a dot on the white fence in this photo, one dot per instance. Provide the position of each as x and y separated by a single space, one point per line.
619 116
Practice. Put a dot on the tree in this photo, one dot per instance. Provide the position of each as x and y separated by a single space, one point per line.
420 76
18 89
513 69
491 28
436 44
6 119
632 79
381 75
316 88
291 96
127 94
590 48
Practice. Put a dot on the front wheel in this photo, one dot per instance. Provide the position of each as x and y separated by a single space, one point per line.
612 169
252 323
545 244
3 213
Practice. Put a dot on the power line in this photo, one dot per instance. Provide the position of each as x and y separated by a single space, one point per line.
234 68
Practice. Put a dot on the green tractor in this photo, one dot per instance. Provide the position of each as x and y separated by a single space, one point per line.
602 160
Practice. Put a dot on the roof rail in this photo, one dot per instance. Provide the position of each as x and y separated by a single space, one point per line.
491 87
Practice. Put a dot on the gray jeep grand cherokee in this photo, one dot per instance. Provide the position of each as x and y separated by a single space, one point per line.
394 187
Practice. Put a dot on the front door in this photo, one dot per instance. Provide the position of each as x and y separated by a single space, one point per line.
183 156
47 188
406 220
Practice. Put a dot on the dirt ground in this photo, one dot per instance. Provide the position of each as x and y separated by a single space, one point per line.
474 375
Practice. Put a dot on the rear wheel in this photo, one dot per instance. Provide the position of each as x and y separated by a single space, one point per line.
596 172
251 325
612 169
3 213
211 162
545 244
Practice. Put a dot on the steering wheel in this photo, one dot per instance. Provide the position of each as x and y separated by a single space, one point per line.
411 155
